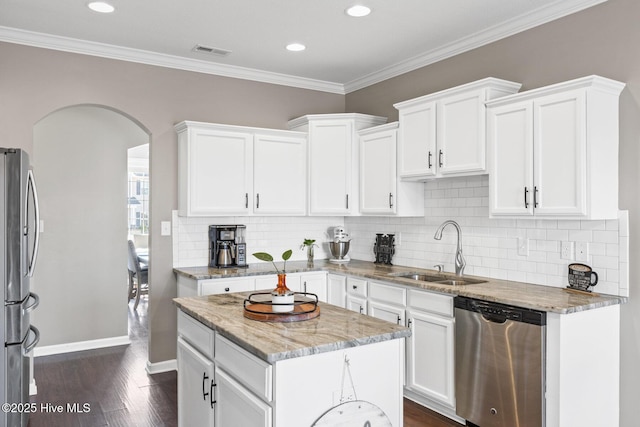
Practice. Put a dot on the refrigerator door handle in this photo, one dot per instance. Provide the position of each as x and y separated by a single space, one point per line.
36 340
36 238
36 302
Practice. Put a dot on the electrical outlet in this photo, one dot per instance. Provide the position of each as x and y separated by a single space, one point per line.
582 251
567 251
523 246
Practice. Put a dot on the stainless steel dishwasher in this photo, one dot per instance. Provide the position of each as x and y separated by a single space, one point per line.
500 352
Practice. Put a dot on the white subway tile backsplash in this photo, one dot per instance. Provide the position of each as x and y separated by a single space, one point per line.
489 244
486 240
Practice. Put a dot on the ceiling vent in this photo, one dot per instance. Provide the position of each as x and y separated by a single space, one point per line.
210 50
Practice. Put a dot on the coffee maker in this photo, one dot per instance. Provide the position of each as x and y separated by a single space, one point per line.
227 246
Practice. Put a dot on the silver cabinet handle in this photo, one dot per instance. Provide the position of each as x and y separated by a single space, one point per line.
361 309
535 197
440 158
36 340
390 200
305 286
347 200
429 160
526 193
399 319
409 323
246 200
257 200
355 286
213 401
226 289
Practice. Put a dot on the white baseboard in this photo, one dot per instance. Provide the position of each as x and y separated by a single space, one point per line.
159 367
81 346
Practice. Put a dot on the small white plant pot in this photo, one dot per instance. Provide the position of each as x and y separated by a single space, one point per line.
282 303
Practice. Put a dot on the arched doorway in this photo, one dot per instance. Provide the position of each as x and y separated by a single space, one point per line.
80 161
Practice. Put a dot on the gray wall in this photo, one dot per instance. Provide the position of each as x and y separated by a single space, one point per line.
36 82
601 40
80 158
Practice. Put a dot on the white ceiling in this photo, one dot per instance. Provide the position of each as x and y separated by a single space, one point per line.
343 53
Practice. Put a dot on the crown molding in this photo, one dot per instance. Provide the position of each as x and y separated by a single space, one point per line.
67 44
533 19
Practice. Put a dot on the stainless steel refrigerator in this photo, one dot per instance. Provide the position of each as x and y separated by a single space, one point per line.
19 221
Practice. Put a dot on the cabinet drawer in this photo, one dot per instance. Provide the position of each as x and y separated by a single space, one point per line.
356 286
253 373
221 286
387 293
432 302
196 334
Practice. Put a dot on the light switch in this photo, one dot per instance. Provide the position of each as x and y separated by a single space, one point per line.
165 228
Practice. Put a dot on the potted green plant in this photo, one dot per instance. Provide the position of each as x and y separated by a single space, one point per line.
281 297
309 244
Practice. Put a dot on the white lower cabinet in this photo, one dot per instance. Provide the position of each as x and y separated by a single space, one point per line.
196 380
357 295
315 283
237 406
430 359
336 290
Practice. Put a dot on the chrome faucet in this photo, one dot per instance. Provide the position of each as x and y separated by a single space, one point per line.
460 262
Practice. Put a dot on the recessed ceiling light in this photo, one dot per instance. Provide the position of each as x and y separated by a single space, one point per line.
358 11
100 6
296 47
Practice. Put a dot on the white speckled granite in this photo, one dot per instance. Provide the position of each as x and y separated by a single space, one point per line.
334 329
537 297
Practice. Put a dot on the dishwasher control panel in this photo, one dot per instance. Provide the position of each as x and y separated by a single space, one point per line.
501 312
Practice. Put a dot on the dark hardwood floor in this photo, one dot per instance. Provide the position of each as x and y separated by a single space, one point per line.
113 385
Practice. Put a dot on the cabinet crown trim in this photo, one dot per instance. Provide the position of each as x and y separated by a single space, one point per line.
604 84
380 128
303 120
184 125
487 83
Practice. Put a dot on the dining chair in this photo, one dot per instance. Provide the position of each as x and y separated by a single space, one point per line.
138 276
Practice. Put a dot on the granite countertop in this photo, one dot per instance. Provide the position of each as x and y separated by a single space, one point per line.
537 297
335 328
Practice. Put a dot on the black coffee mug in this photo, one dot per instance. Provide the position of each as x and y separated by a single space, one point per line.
581 276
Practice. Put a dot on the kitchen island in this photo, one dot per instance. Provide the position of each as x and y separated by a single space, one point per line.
237 371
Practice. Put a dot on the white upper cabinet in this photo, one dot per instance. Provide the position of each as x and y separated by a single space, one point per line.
333 160
554 151
381 192
236 170
280 174
443 134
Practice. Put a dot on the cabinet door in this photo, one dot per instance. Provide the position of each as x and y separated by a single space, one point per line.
280 175
237 406
461 133
218 172
560 154
315 284
378 172
330 146
510 136
417 141
387 312
336 290
357 304
195 387
430 357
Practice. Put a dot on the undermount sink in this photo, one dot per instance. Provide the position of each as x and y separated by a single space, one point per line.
442 280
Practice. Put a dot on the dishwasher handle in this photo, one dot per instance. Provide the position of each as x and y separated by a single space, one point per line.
500 313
